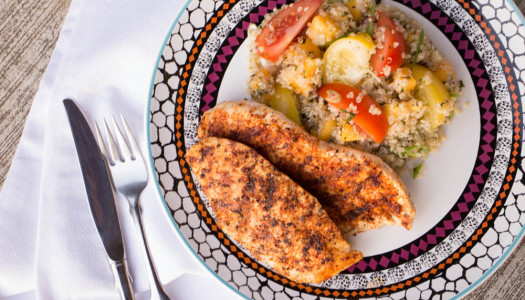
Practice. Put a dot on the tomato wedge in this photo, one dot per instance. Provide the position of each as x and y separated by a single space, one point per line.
369 116
391 52
284 27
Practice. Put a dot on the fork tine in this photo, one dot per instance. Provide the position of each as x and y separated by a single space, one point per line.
112 147
132 141
101 144
123 146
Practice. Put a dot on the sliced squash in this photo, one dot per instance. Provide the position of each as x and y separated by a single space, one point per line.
325 131
347 59
433 93
284 101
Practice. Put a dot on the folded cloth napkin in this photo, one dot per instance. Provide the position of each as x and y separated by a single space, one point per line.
104 60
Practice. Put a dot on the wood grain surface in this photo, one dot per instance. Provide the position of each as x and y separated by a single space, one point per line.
28 33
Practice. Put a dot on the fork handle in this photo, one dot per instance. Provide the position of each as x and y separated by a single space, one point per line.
155 286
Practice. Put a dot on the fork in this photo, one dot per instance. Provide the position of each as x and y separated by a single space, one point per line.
130 176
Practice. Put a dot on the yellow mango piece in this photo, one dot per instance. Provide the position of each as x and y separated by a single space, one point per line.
349 133
298 80
310 67
322 30
261 82
311 48
403 80
401 111
284 101
433 93
356 7
390 110
326 130
299 70
444 71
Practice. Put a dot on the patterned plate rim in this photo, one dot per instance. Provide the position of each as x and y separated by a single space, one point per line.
519 238
181 236
148 120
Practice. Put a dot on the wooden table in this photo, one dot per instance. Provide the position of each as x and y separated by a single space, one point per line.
28 34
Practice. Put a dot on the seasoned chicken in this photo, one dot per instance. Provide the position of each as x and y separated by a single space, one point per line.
265 211
357 189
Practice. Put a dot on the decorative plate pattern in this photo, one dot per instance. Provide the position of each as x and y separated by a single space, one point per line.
465 245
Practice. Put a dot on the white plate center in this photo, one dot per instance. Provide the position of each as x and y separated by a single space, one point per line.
445 172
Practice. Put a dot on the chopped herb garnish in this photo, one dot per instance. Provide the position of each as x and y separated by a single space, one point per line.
333 41
418 50
461 84
350 115
416 151
372 7
369 29
417 170
453 95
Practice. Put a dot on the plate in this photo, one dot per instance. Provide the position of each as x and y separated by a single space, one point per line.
470 202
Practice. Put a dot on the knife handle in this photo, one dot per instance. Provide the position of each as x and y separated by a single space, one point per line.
120 272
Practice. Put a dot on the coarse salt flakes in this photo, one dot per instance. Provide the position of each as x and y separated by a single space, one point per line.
350 95
396 44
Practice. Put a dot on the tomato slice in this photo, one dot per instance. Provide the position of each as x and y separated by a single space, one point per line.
391 53
369 115
284 27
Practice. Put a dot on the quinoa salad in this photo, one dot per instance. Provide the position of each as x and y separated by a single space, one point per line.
357 73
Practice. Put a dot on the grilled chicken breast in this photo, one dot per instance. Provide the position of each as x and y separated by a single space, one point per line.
357 189
262 209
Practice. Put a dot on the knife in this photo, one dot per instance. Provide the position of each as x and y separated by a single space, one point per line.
100 196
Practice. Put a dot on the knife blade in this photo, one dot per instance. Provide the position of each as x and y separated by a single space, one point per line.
100 196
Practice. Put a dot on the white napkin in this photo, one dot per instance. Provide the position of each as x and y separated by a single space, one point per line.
49 248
